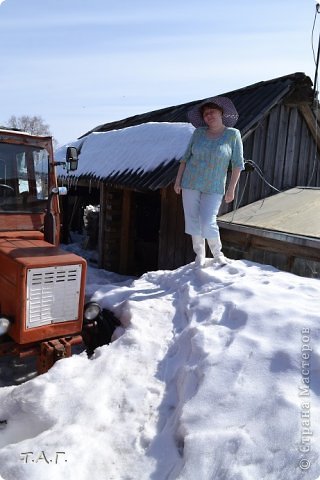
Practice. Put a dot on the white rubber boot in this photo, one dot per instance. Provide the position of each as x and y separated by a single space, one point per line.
215 247
199 248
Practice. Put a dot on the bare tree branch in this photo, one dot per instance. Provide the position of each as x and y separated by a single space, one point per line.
30 124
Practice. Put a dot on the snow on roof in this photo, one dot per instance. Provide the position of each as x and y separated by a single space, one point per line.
140 148
17 131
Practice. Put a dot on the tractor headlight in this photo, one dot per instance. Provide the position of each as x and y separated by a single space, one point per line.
91 311
4 325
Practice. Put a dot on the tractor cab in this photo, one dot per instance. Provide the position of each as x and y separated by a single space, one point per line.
42 287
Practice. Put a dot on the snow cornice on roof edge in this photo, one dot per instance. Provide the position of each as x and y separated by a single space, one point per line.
132 155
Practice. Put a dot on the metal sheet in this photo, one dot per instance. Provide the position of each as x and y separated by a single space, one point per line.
295 211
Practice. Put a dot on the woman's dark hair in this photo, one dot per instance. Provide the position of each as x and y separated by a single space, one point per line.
210 105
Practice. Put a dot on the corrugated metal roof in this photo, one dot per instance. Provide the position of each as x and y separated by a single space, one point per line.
295 212
160 177
252 102
141 156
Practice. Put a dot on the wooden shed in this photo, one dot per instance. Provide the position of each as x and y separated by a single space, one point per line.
282 230
141 218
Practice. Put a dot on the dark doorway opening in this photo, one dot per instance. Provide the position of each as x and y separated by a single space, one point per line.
147 213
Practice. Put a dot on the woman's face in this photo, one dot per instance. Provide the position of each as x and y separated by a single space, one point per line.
212 115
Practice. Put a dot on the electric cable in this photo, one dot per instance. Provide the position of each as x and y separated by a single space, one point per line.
256 167
315 88
237 203
316 156
258 170
243 190
312 32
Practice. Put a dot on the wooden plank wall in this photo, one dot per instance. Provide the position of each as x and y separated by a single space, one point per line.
125 233
284 149
110 228
282 146
128 236
175 248
298 259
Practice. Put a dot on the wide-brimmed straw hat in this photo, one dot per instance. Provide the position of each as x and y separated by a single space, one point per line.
229 116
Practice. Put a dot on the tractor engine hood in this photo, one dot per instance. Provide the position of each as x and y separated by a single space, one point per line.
41 287
35 252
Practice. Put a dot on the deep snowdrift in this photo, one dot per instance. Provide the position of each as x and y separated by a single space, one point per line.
208 379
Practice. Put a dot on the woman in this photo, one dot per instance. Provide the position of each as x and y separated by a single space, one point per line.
203 171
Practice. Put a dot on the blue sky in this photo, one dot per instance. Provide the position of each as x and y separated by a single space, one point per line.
80 63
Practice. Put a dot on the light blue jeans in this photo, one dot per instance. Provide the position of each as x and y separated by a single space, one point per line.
200 212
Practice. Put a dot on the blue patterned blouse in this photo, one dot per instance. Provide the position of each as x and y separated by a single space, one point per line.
207 160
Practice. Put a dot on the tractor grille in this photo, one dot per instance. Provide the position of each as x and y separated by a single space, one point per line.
52 295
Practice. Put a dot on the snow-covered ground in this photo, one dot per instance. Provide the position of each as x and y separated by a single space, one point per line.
214 376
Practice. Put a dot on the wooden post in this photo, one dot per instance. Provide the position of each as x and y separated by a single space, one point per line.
311 122
278 180
289 167
101 225
163 232
125 231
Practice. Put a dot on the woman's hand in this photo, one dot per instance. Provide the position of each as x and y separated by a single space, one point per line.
177 188
177 183
229 196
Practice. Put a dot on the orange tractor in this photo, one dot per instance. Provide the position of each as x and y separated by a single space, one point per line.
42 287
